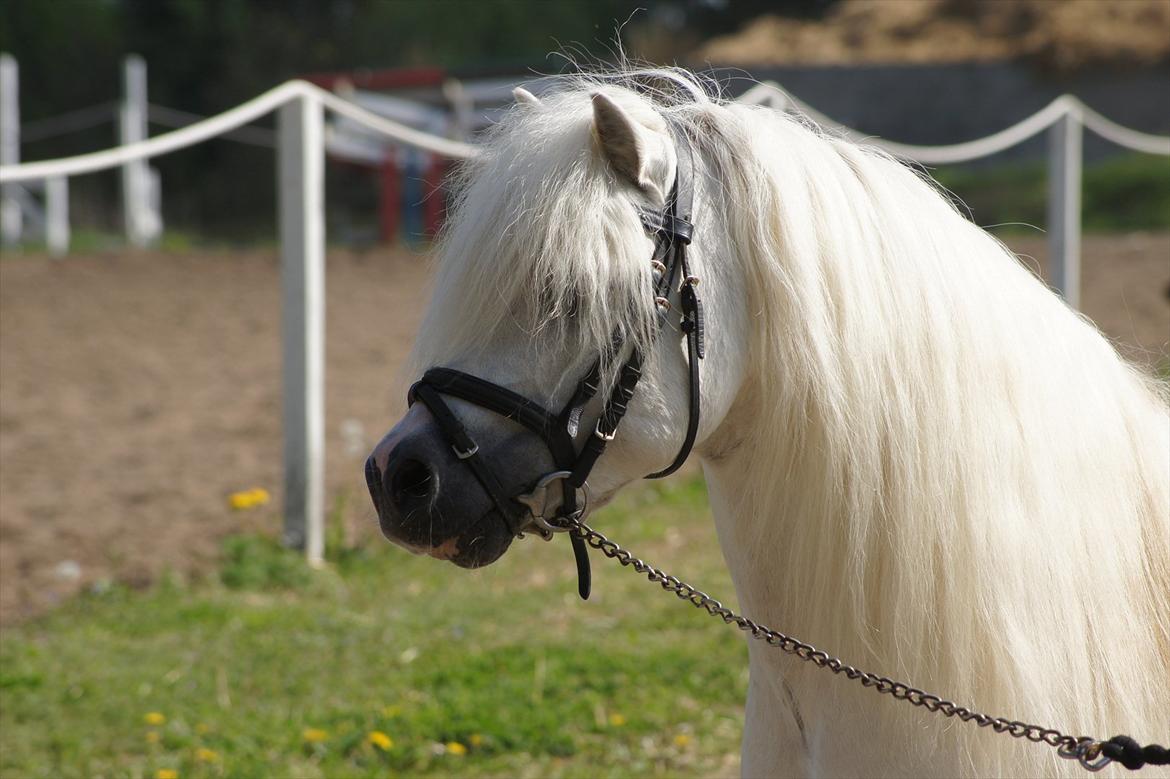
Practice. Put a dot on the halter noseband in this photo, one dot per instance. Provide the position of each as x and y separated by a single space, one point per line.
672 230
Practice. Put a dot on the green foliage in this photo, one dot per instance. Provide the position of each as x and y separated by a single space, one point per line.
1127 192
1131 192
504 664
205 57
260 563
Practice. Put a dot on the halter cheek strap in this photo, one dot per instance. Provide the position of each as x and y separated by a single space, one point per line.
672 230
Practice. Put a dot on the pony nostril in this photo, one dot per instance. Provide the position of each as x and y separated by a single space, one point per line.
412 483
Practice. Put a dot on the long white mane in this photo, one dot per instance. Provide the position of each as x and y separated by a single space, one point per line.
966 484
958 482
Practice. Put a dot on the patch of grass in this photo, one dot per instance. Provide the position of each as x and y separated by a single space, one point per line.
272 669
260 563
1127 192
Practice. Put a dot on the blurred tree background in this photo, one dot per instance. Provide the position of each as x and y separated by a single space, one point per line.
205 56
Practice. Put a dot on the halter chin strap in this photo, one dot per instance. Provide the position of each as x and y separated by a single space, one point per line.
672 230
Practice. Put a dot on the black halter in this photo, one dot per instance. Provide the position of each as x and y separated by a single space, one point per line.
672 230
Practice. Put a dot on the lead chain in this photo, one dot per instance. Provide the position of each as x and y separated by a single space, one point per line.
1084 749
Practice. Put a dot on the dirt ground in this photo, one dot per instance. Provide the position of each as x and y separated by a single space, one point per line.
138 391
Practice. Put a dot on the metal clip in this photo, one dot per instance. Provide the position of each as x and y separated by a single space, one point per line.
1088 753
1091 757
464 455
537 502
607 437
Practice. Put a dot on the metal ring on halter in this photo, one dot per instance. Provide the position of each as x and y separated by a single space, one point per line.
1087 752
1092 758
537 503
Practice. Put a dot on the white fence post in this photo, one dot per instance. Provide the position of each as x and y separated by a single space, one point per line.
10 216
142 223
1064 205
301 192
57 215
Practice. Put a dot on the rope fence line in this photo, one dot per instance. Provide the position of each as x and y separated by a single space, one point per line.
107 113
68 122
771 93
230 120
1123 136
176 119
192 129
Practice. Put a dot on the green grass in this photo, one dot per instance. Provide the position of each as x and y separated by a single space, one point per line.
1128 192
505 661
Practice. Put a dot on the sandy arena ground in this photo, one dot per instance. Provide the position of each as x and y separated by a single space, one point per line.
139 390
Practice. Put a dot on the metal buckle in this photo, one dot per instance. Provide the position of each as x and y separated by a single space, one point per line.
607 437
464 455
537 502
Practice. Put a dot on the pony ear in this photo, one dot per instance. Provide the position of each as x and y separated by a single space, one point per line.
629 146
522 95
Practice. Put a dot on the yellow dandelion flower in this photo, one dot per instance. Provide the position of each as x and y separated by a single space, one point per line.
166 773
455 748
682 740
380 740
249 498
314 735
617 720
240 500
475 740
205 755
152 736
154 718
202 728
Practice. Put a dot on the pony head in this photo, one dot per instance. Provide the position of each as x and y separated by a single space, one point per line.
546 265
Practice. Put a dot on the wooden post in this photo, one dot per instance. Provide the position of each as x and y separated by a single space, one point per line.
301 193
57 215
1064 206
11 219
141 223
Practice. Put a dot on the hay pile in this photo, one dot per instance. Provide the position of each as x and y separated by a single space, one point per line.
1060 36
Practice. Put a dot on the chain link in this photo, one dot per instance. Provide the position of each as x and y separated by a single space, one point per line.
1086 750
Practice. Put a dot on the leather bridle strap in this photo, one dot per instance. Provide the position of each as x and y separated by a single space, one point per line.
673 230
444 381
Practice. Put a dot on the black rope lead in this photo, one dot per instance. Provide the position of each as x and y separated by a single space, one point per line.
1133 755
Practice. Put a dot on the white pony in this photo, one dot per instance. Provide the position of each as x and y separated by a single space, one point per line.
919 458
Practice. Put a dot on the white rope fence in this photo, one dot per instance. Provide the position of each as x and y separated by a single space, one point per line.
772 94
300 148
232 119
